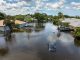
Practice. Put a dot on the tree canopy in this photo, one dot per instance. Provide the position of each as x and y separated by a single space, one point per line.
20 17
40 17
2 16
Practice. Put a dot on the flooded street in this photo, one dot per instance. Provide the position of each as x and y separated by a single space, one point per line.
35 45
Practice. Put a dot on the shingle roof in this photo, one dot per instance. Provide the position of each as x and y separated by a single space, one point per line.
19 22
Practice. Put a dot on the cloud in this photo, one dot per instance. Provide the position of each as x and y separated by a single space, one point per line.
26 0
75 5
67 7
56 5
45 4
2 3
38 5
14 7
15 1
10 8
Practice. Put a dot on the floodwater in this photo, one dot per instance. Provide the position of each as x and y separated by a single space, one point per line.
34 45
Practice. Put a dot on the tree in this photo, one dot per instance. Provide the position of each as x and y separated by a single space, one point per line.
28 18
2 16
77 31
10 17
77 17
20 17
66 16
56 20
61 15
40 17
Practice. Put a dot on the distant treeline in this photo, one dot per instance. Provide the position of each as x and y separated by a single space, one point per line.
39 17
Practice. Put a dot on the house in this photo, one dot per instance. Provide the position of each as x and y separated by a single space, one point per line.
19 22
1 25
16 22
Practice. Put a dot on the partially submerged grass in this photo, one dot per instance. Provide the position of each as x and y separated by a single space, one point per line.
21 30
77 32
77 42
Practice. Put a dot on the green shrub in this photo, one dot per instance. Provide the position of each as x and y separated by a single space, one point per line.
77 31
17 25
65 24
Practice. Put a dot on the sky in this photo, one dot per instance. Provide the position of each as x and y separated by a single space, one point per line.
50 7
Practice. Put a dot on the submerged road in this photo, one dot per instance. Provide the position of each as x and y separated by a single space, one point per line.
34 46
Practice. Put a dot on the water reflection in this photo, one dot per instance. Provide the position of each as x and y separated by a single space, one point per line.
28 35
52 36
39 27
77 42
3 51
34 30
36 45
3 46
58 34
5 43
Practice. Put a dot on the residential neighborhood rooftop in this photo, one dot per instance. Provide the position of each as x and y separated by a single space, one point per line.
19 22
